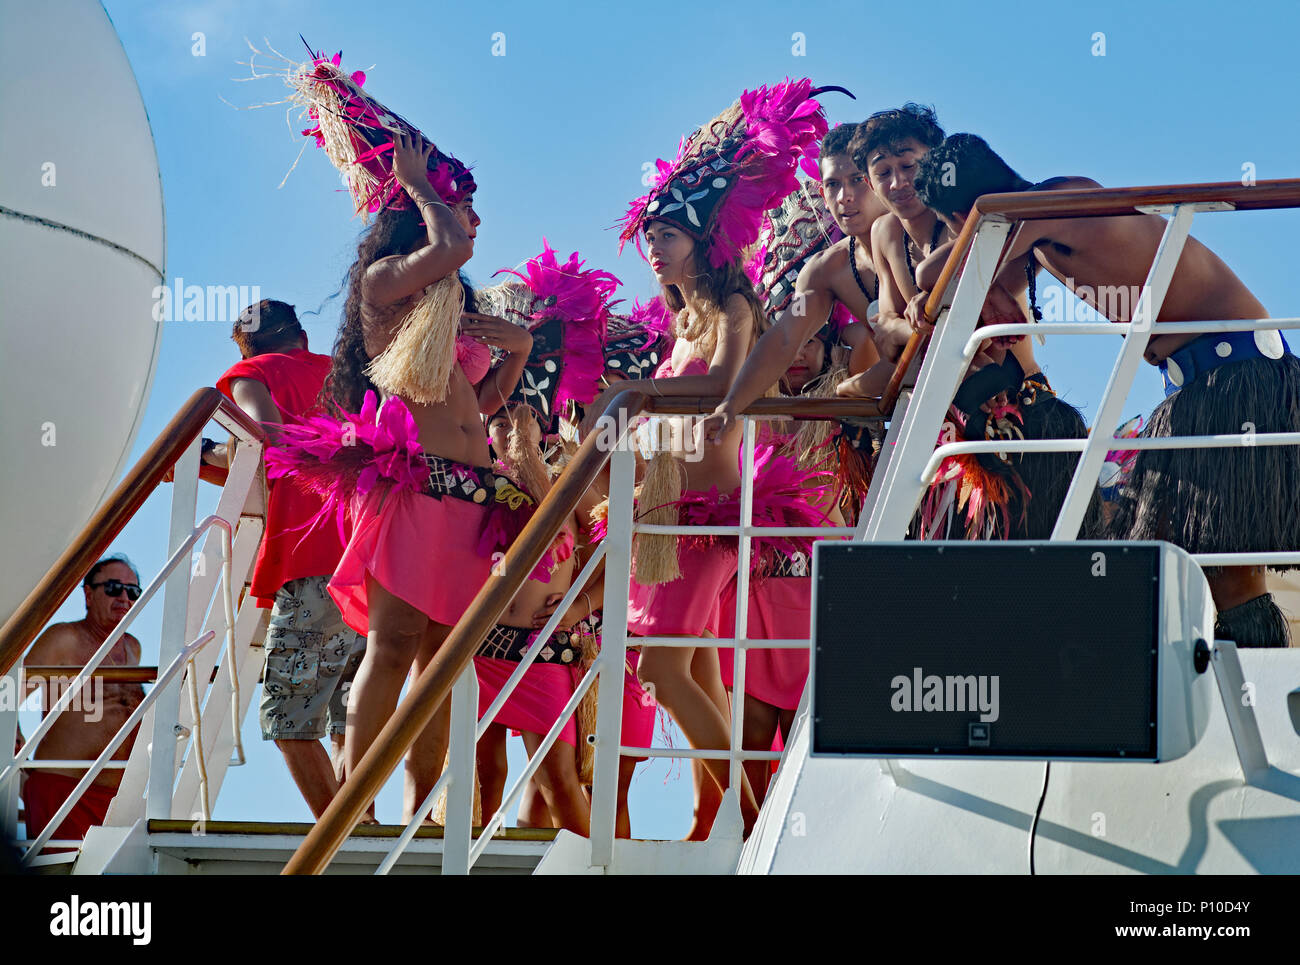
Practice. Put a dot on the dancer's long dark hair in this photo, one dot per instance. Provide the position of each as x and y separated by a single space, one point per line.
713 286
394 232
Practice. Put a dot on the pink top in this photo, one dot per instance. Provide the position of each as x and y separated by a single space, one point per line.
474 357
696 366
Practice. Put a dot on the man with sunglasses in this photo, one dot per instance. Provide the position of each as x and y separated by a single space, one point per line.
92 720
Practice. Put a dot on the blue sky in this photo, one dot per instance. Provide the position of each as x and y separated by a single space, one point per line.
559 127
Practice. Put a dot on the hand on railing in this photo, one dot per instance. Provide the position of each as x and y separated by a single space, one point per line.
915 314
712 428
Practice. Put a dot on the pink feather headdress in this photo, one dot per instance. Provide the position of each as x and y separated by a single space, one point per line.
637 342
731 170
356 133
565 306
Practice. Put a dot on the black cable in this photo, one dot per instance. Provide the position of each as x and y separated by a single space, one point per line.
1033 828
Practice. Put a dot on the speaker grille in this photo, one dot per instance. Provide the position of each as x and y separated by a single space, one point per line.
1064 636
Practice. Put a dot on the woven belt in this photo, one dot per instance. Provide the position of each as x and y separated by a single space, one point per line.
474 484
511 643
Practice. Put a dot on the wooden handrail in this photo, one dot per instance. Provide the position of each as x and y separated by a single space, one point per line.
109 520
1110 202
797 407
432 687
117 675
1084 203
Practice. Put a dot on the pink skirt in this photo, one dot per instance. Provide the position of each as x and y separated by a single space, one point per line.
780 608
689 604
420 549
535 704
639 709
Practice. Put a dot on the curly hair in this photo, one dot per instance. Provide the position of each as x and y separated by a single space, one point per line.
890 128
394 232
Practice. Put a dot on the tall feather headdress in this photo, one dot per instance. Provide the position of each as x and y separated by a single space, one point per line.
356 133
731 170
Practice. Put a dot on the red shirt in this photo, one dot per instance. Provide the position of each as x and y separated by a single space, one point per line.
289 549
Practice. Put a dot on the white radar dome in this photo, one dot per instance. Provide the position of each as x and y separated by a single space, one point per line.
81 252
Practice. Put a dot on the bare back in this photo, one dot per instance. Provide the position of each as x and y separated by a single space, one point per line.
1105 262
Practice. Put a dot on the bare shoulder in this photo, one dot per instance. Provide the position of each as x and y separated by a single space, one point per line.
827 262
736 312
1067 183
57 645
132 648
377 278
886 230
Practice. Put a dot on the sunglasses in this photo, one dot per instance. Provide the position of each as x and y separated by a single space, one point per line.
115 588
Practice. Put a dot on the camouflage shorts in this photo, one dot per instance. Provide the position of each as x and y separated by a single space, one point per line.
311 658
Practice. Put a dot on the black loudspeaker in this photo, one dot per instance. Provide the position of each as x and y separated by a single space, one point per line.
951 649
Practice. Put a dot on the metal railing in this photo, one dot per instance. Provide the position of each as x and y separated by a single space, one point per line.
607 669
102 761
907 464
187 581
451 670
907 467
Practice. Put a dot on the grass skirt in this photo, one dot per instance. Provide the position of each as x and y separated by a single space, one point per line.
1235 500
982 497
1255 623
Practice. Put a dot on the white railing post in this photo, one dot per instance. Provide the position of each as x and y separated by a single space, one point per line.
945 363
11 683
613 655
887 447
162 761
460 784
1102 437
735 772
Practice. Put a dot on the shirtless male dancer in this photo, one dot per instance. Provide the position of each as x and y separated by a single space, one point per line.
1183 496
844 272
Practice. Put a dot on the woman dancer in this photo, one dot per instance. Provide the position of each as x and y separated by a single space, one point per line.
565 309
427 487
705 210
